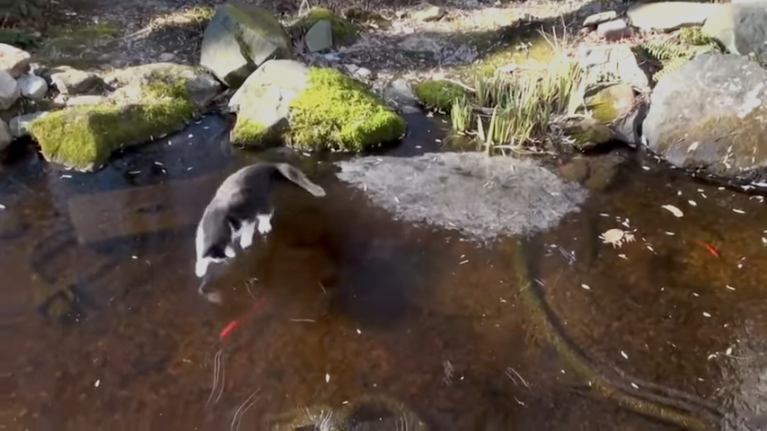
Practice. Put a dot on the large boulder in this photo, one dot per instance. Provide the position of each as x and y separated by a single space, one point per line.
239 38
741 28
13 60
201 86
150 101
711 115
612 63
9 90
312 108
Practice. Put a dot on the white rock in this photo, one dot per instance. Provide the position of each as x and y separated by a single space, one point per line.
13 60
167 57
9 90
363 72
33 87
20 125
5 136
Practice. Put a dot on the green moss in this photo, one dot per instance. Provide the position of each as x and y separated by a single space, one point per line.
438 94
67 38
339 113
344 32
250 133
516 45
602 107
83 137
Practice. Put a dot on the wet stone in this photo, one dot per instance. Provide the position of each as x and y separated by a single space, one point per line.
599 18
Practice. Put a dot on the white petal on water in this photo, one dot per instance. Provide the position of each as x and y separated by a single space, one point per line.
692 203
728 351
623 256
625 356
706 314
97 383
729 287
670 233
327 378
673 210
735 210
764 240
634 385
585 286
359 332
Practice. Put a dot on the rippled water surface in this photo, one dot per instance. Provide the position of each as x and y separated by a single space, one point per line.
351 319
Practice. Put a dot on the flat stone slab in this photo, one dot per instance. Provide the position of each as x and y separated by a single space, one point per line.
143 210
670 15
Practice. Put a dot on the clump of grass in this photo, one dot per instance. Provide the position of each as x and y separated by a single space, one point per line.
460 114
438 94
514 113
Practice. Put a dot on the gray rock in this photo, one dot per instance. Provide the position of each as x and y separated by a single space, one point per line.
9 90
599 18
86 100
201 85
494 199
614 30
741 28
319 37
14 60
5 135
427 13
612 63
33 87
167 57
72 81
711 115
240 38
627 128
670 15
19 126
400 92
363 72
264 98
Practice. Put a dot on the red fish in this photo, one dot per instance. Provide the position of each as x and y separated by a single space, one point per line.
236 322
709 247
229 328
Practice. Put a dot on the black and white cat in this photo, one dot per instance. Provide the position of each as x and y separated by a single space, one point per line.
242 204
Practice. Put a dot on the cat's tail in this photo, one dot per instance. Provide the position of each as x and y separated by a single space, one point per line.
299 178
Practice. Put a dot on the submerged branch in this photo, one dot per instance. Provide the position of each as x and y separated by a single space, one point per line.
664 403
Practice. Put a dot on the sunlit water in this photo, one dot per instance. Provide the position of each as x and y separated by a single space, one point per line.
346 312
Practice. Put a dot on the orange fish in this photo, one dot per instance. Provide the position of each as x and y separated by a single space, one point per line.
709 247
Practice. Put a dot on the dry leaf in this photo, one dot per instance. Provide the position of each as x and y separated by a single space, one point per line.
673 210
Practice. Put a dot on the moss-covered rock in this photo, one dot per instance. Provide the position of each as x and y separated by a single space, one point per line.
247 132
607 103
83 137
438 94
587 133
338 113
241 37
344 32
313 109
